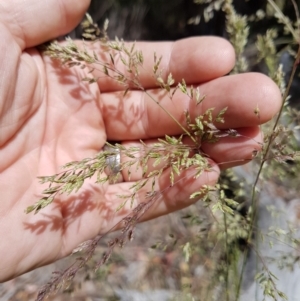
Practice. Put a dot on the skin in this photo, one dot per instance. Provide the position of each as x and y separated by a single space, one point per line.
49 117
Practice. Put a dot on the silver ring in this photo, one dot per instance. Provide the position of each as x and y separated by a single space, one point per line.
113 162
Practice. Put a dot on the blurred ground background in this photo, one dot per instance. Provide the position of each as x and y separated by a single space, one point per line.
154 262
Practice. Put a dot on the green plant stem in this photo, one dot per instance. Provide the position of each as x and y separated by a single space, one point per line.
226 258
283 18
171 116
254 199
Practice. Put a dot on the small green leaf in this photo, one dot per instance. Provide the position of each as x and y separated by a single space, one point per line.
187 250
170 80
220 116
175 169
196 194
172 178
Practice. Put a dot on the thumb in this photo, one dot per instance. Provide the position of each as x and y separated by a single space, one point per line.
33 22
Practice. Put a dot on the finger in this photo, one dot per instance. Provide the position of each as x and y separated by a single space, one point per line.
141 158
195 59
34 22
227 152
233 151
97 210
167 198
138 116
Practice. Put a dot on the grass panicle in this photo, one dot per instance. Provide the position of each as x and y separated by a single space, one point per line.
230 226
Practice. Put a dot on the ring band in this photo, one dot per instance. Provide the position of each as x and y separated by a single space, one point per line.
113 163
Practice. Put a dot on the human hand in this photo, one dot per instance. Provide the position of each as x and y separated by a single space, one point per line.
48 117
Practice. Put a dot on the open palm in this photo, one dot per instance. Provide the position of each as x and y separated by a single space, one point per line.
49 117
